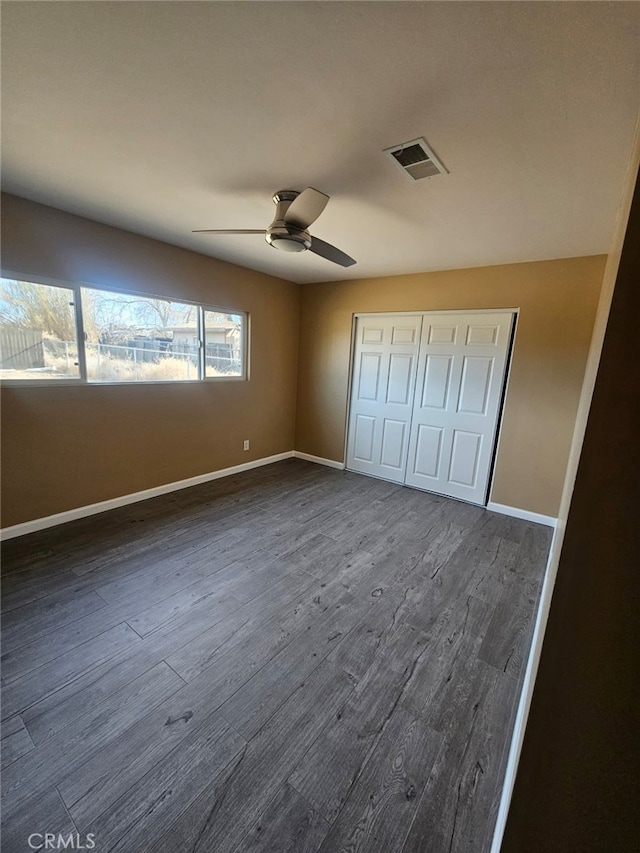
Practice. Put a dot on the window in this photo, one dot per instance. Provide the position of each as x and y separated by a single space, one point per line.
124 337
38 337
138 338
223 344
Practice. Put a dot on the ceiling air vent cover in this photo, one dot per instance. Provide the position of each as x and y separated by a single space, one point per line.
416 159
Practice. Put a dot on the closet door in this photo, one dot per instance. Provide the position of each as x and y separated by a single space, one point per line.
384 371
461 371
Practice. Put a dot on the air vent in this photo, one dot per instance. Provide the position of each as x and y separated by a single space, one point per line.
416 159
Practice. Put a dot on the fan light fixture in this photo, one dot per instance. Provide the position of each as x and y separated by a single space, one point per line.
295 212
285 244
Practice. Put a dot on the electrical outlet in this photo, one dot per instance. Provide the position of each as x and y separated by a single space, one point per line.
245 445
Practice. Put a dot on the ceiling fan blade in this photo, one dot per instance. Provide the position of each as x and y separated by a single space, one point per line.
229 231
306 208
326 250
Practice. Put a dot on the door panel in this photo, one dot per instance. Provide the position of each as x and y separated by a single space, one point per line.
437 381
363 438
465 455
404 334
401 369
393 444
481 334
474 385
442 334
428 451
385 368
369 377
461 370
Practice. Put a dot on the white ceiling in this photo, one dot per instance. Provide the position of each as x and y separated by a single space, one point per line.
166 117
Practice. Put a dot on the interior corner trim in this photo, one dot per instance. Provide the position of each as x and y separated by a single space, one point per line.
527 515
319 460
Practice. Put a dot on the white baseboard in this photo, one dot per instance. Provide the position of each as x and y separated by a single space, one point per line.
92 509
525 514
319 460
103 506
528 684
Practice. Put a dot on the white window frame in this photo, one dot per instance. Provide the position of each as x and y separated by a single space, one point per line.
82 379
244 348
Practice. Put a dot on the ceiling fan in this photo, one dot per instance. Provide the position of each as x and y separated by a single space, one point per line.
295 212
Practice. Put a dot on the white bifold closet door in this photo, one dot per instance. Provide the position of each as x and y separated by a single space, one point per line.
442 438
461 371
384 376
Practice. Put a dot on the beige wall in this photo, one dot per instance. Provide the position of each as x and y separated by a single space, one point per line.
66 447
557 302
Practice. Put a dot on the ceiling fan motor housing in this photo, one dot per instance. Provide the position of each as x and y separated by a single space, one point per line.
280 234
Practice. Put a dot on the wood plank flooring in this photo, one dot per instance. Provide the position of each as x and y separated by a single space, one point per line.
291 659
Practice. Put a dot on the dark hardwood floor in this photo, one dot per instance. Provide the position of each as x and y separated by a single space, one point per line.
291 659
